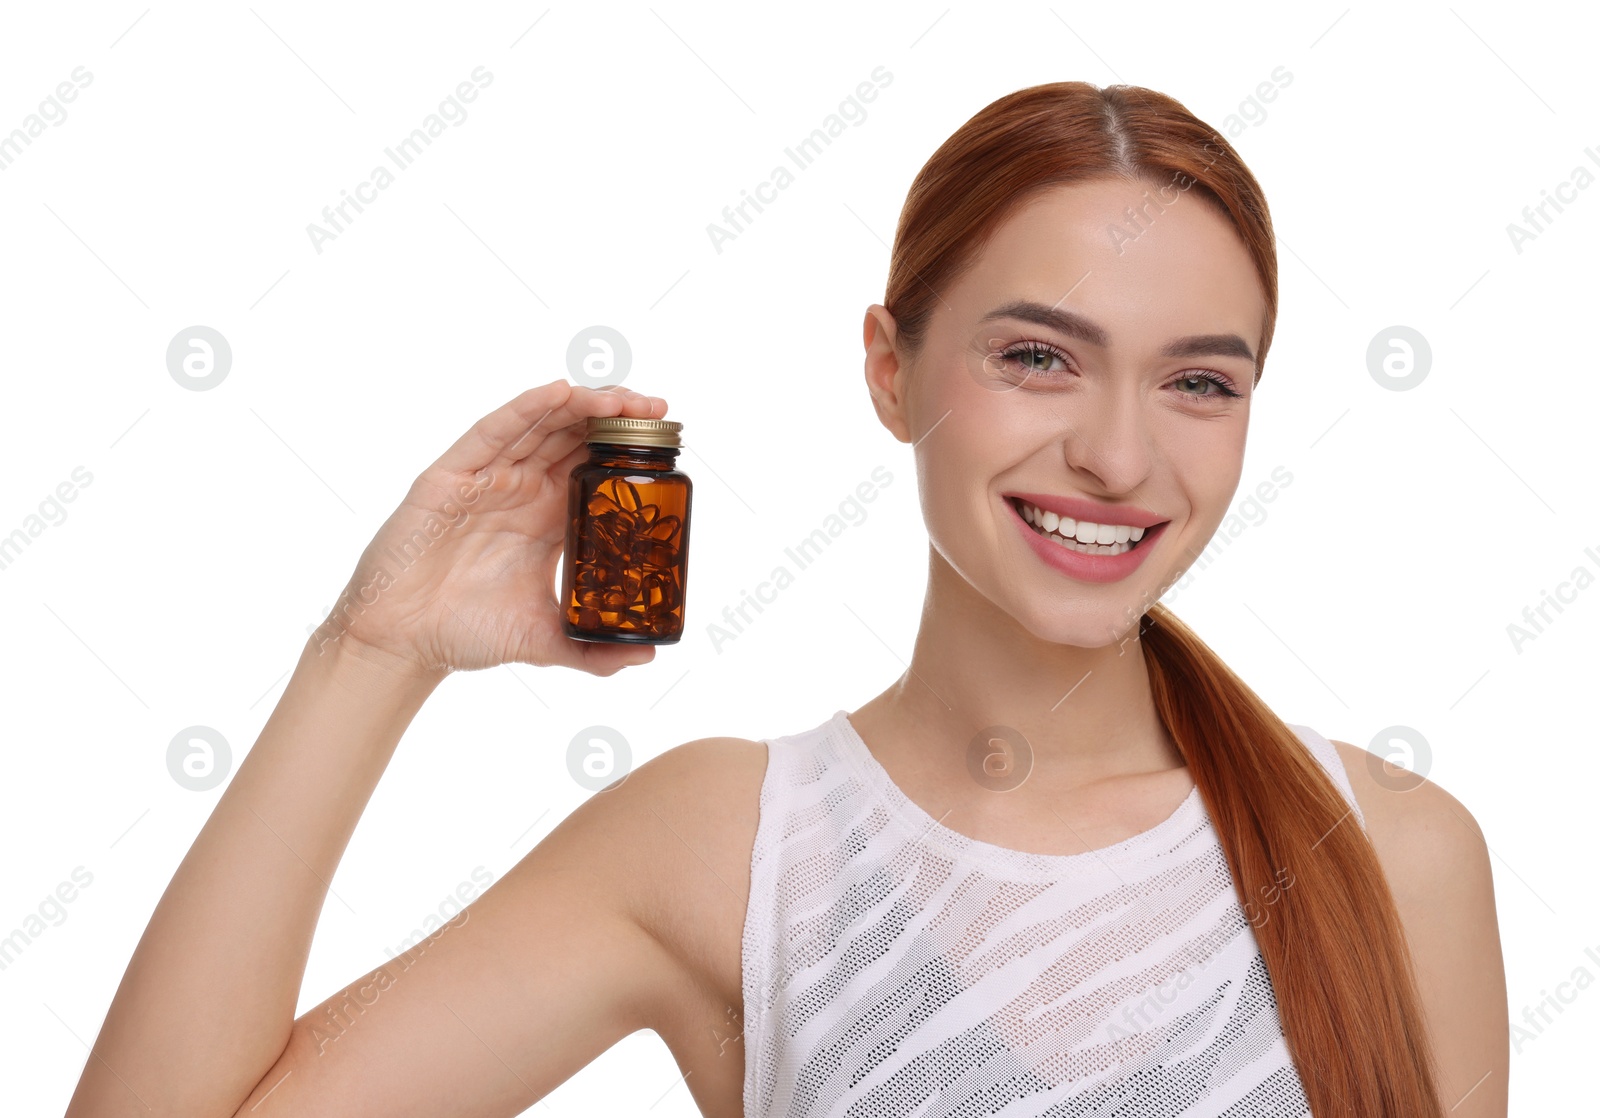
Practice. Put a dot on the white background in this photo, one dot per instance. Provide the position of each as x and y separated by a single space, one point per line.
220 524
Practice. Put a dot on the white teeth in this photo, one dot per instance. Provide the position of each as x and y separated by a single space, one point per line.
1081 535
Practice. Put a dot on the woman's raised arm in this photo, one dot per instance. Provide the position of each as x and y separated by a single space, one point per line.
205 1010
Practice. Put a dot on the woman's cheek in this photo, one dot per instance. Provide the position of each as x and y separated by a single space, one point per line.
947 485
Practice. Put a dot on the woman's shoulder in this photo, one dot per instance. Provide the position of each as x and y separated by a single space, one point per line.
1437 865
667 821
691 813
673 838
1406 808
703 786
1432 849
707 766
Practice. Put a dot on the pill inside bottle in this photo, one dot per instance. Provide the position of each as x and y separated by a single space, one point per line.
625 571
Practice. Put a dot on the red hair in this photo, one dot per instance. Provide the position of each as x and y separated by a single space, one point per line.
1333 943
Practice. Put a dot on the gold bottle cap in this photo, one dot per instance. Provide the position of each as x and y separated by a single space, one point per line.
627 431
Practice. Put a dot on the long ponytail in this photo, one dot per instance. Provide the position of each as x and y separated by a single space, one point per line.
1328 929
1314 891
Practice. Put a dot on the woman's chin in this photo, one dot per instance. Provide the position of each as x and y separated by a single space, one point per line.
1083 625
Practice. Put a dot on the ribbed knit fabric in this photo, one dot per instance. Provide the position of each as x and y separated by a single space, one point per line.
894 967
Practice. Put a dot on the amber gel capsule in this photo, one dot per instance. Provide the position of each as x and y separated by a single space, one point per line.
627 551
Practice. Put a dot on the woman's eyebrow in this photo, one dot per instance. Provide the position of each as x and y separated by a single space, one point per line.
1076 326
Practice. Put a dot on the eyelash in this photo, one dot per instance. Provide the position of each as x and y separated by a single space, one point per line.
1030 346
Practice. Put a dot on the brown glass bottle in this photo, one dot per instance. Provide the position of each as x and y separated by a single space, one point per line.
627 551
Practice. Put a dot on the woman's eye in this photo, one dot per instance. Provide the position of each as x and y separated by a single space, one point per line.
1038 361
1031 360
1209 386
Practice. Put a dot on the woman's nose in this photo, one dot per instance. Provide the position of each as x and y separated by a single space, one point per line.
1108 438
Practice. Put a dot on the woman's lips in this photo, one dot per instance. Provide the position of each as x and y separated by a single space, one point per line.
1084 567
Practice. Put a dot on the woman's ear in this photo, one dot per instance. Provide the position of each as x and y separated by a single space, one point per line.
886 375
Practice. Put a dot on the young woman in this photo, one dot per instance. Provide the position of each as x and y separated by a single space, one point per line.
1068 863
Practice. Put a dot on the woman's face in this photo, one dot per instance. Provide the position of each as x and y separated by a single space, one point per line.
1085 358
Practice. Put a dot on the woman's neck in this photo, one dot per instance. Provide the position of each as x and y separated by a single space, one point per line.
1086 714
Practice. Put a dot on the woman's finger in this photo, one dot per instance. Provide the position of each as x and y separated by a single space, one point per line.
542 427
518 429
578 449
604 658
556 446
493 435
561 467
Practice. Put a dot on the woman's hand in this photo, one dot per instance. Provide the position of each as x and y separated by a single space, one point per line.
462 575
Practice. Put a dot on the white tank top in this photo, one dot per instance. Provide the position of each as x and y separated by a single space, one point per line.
894 967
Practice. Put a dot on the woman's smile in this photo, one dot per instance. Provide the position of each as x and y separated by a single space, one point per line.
1064 544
